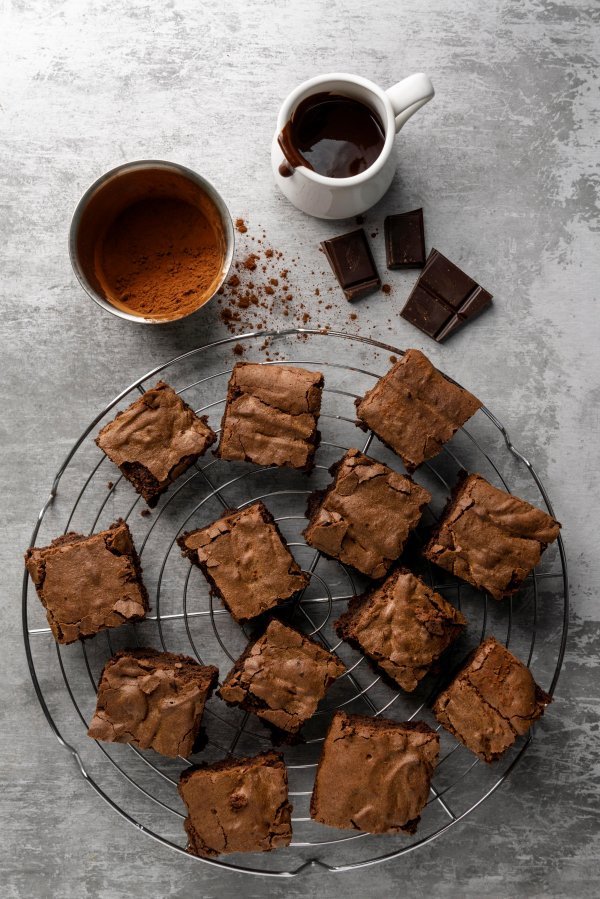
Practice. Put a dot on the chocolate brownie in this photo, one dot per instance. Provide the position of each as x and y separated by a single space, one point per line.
281 677
415 410
489 538
246 561
402 625
155 440
365 516
492 701
271 415
237 805
374 774
153 700
87 584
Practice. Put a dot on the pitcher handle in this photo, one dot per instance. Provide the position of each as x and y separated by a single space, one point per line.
409 95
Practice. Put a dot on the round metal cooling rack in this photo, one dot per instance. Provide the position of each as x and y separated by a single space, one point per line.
88 494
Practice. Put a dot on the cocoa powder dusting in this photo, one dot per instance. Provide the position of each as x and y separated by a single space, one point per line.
161 258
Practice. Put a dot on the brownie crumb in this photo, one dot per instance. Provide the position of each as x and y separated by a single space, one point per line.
110 485
353 316
393 359
239 349
145 513
386 288
240 224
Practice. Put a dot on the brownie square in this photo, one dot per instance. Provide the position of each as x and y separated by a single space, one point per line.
155 440
237 805
281 677
153 700
271 415
374 774
492 701
87 584
364 517
489 538
246 561
414 410
402 625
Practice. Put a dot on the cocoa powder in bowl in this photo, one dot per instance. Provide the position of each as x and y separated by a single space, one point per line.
151 242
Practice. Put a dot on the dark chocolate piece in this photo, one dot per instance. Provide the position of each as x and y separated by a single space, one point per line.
153 700
405 240
374 774
490 538
90 583
237 805
415 410
444 298
271 415
281 677
402 625
352 262
246 561
364 517
493 700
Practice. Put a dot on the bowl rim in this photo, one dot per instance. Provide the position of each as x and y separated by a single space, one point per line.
149 164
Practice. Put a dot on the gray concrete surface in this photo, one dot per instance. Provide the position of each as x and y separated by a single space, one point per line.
504 162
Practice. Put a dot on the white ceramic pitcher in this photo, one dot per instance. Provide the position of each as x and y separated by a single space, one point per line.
338 198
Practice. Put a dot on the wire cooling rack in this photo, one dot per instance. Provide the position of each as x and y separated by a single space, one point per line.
88 494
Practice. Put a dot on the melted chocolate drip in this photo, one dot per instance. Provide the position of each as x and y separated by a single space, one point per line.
333 135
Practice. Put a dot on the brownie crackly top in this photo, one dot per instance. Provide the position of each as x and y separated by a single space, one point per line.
492 700
490 538
271 415
237 805
374 774
281 677
402 625
415 410
88 583
151 699
246 561
365 516
155 439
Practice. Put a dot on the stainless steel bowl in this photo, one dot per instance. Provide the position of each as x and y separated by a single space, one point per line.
121 187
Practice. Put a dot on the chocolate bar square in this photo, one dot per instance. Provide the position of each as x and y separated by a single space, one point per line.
405 240
352 262
444 298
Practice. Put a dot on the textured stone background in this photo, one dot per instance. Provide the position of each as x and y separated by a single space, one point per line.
504 162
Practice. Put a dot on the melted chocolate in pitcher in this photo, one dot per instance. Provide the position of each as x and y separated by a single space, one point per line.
334 135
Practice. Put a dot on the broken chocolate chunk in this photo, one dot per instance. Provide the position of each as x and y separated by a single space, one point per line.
352 262
444 298
405 240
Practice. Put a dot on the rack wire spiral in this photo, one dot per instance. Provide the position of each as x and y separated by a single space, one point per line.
141 786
